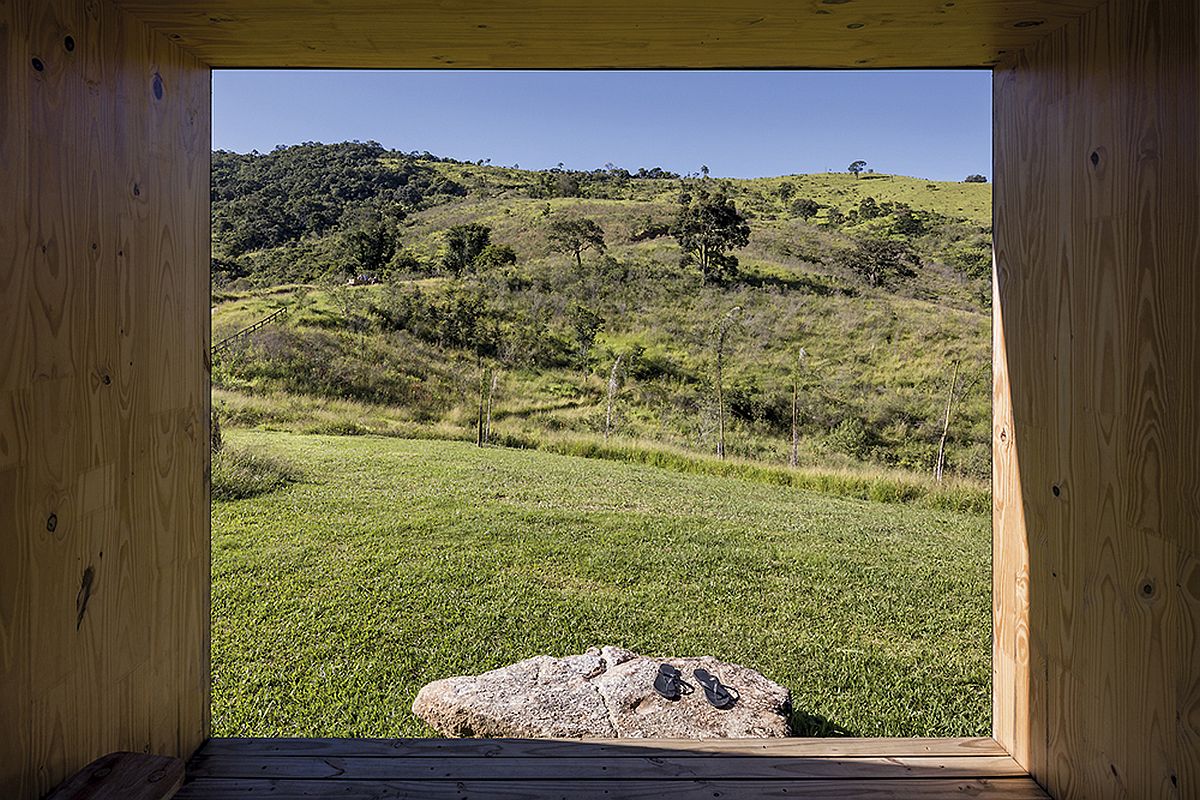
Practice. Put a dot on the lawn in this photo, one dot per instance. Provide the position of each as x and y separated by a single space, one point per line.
394 562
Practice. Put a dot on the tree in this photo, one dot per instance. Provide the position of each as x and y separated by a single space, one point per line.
567 184
869 209
495 255
707 226
878 261
370 246
462 317
856 167
557 182
976 178
806 208
908 222
573 236
464 244
587 324
722 332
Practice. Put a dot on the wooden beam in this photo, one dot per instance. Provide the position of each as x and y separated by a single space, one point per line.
687 34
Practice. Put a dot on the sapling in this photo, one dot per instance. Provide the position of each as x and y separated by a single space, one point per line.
722 338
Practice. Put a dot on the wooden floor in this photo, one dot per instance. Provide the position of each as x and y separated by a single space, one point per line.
520 769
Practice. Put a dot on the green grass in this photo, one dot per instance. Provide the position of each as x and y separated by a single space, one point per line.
394 562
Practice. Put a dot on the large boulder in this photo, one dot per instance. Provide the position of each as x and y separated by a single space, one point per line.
606 692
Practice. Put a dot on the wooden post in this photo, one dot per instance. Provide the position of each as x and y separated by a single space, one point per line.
940 463
479 409
487 425
794 455
613 387
722 336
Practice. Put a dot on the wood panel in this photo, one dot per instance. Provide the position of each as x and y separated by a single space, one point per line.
1097 223
619 33
104 142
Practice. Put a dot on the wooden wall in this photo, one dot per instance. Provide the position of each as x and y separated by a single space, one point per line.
1097 416
104 142
104 517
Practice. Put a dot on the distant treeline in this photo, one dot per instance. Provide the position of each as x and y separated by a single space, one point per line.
262 200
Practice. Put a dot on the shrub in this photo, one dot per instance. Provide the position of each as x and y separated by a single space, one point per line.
850 438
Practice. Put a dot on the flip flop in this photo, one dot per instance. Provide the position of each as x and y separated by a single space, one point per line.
669 682
717 693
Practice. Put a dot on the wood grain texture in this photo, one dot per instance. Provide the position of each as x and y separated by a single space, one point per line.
104 156
850 789
617 34
1097 225
124 776
600 748
532 768
566 767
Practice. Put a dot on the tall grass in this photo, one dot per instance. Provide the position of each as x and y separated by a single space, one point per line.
238 474
873 484
305 414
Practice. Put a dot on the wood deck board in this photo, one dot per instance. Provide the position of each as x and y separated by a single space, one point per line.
521 769
859 789
124 776
621 768
599 748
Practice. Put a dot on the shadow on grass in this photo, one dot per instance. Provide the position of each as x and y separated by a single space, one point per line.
805 723
793 282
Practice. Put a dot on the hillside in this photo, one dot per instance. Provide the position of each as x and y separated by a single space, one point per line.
464 283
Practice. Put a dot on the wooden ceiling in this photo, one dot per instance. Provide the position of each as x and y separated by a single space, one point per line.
557 34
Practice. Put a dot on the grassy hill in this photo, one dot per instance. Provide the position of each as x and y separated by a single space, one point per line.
391 562
407 355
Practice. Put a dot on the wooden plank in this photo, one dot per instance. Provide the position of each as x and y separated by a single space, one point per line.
1098 236
1187 654
124 776
104 151
925 788
601 748
657 767
615 34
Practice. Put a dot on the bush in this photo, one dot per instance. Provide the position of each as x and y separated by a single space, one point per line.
850 438
238 474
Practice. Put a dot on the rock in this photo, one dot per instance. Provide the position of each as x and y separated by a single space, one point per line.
606 692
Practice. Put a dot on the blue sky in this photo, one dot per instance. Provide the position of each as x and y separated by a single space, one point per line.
932 124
